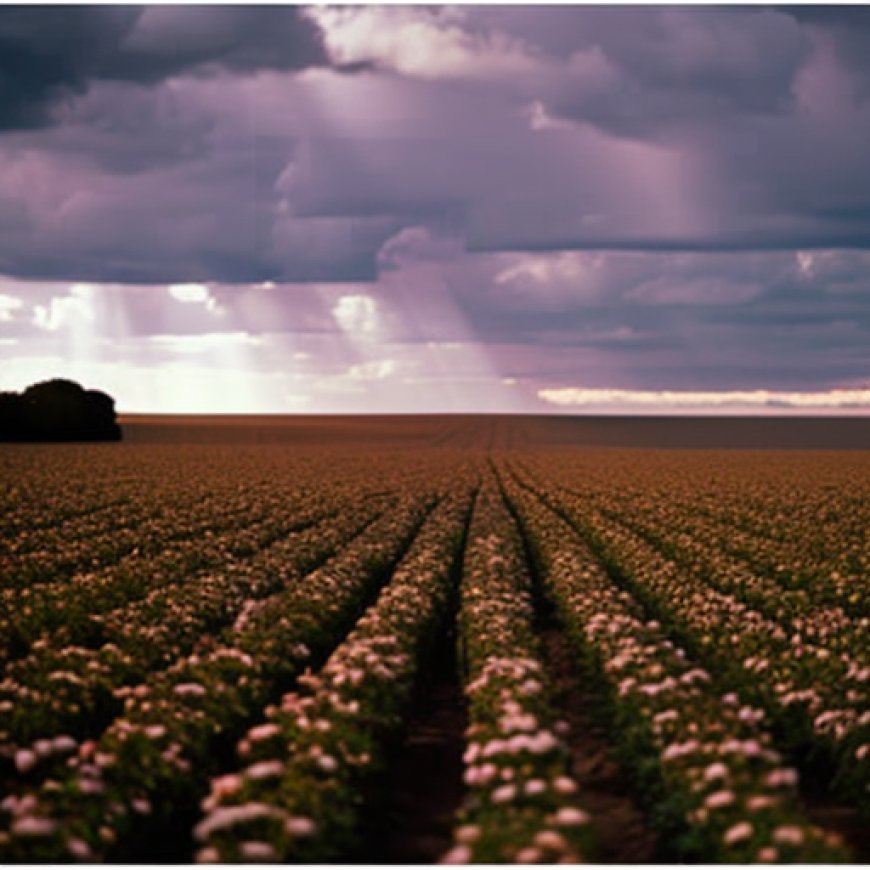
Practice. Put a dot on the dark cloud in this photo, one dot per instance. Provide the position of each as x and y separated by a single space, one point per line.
527 128
848 25
168 40
641 71
48 54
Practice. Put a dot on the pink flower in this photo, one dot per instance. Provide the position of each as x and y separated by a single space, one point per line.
738 833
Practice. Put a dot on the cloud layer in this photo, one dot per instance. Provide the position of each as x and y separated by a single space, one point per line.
474 207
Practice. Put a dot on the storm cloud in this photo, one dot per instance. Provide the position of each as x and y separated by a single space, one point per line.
523 199
49 55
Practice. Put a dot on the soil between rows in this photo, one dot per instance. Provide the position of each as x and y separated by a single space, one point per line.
424 785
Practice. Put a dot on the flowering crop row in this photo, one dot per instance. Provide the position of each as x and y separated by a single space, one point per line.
148 766
67 524
521 804
820 579
815 541
143 527
301 792
71 609
35 495
796 574
74 690
796 610
693 546
816 696
707 759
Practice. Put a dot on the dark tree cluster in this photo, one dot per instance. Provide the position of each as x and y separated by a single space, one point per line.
58 410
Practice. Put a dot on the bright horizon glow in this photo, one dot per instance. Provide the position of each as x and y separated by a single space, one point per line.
840 399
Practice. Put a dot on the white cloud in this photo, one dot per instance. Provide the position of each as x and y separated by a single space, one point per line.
189 292
357 313
581 396
8 306
64 311
702 290
195 294
420 42
206 341
374 370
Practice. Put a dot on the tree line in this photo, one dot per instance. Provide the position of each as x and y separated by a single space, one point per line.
58 410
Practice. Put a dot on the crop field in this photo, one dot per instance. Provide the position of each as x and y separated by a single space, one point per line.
457 641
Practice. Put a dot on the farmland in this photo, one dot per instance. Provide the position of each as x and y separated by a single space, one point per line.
438 639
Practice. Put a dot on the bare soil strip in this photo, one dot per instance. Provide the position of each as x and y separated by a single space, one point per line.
624 833
423 785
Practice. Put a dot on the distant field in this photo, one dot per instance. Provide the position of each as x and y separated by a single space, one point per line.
832 433
413 639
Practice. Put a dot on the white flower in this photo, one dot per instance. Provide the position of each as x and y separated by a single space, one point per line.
457 855
571 816
564 785
504 793
542 742
790 835
263 732
550 840
783 776
79 849
470 755
467 833
25 760
265 770
535 786
738 833
226 785
300 826
64 743
34 826
327 763
43 748
494 747
195 689
258 851
717 770
228 817
719 799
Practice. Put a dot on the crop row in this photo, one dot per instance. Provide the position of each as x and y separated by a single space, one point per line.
141 530
796 610
706 760
309 764
73 690
118 795
812 579
818 698
694 547
520 804
70 610
801 522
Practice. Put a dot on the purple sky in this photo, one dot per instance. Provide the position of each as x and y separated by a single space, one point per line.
514 208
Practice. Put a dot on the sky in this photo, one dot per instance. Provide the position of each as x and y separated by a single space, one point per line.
562 209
